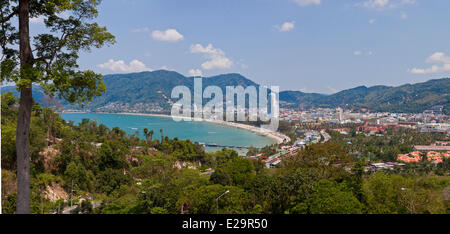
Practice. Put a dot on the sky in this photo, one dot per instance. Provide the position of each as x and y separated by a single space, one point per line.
321 46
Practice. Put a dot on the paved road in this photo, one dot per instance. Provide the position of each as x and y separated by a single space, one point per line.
69 210
326 136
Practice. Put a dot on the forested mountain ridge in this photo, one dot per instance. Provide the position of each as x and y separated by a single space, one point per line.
406 98
151 91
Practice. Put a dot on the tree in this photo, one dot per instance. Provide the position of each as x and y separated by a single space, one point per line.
148 135
252 151
381 195
146 132
220 177
151 135
162 135
239 170
52 63
332 198
53 105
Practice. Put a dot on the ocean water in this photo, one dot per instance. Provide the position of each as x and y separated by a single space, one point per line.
205 132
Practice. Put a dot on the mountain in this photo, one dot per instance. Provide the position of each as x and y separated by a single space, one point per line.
300 99
38 93
151 91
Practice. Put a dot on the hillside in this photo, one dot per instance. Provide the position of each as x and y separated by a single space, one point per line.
38 93
150 92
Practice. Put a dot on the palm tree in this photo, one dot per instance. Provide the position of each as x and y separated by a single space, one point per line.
162 136
148 136
151 135
146 133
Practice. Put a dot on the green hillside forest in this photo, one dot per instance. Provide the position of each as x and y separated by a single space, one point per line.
111 172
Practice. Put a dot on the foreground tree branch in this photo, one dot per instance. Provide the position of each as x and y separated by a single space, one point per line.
55 68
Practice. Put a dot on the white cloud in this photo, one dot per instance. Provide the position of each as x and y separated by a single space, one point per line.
385 4
170 35
307 2
121 67
357 53
440 61
376 3
195 72
40 19
438 57
37 20
216 57
372 21
360 53
286 26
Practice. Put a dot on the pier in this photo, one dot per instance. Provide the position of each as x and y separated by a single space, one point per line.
223 146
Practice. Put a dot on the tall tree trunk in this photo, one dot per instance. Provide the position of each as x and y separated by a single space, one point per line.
23 122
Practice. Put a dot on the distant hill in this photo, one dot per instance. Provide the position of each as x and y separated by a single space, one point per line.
146 91
38 93
412 98
150 91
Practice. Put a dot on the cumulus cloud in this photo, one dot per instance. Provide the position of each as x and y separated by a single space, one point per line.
121 67
440 61
286 26
195 72
170 35
307 2
216 57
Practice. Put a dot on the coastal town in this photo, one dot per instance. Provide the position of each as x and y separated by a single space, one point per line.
368 124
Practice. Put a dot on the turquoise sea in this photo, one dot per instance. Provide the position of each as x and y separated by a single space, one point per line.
209 133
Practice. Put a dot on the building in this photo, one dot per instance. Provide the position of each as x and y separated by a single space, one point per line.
374 167
437 146
373 128
413 157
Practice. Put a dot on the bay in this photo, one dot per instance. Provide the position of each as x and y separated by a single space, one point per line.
205 132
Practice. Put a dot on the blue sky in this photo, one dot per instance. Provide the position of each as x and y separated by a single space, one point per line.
309 45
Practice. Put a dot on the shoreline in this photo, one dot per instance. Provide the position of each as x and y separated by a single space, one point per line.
277 136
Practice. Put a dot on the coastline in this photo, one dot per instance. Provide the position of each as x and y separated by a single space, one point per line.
277 136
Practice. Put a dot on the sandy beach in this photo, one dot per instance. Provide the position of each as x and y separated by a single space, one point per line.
277 136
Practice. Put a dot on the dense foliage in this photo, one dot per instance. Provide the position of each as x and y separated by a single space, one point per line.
111 172
409 98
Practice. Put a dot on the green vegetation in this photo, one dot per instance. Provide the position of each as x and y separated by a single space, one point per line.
156 87
387 146
114 173
408 98
49 59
